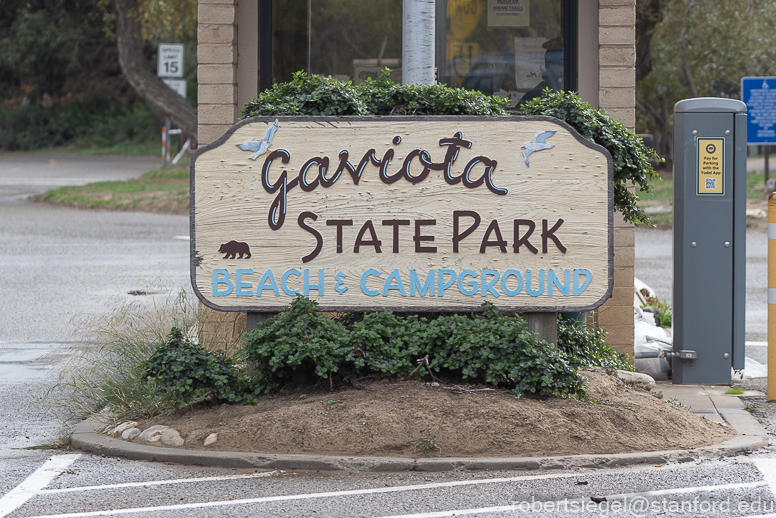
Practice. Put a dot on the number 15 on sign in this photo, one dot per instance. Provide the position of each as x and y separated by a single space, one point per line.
170 62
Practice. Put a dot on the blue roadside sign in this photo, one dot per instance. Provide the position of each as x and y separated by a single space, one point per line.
759 94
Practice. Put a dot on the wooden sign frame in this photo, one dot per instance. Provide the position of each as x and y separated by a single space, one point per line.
563 176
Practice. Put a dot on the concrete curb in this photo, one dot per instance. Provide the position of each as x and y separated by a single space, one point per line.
751 436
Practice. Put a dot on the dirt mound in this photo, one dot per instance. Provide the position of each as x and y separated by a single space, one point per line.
412 419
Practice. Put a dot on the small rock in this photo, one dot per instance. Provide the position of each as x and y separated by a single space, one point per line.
757 213
153 434
130 434
171 437
119 429
637 380
770 186
210 439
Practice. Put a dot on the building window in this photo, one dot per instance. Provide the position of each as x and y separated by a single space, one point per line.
344 39
509 48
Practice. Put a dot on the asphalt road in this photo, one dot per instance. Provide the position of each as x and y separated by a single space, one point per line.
58 264
26 174
654 266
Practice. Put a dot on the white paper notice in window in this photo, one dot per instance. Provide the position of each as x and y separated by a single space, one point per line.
508 13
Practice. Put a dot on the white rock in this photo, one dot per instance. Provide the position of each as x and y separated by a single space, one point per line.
210 439
171 437
757 213
637 380
130 434
153 434
119 428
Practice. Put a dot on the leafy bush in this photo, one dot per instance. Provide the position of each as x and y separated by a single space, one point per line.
630 156
587 344
498 349
488 348
189 372
317 95
296 344
91 122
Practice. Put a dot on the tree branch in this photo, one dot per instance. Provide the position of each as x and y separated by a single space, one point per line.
161 97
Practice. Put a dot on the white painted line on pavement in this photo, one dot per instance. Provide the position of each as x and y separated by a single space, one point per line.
557 504
756 344
356 492
183 238
19 495
460 512
767 467
155 483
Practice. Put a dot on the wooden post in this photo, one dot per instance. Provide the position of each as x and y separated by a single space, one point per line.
255 320
544 324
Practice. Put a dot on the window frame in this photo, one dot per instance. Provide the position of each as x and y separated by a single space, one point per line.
569 19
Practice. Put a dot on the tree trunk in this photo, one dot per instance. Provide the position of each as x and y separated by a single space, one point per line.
163 99
649 13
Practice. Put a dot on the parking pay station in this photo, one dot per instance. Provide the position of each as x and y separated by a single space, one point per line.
709 239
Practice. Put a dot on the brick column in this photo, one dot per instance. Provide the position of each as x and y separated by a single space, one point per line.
617 95
217 68
217 112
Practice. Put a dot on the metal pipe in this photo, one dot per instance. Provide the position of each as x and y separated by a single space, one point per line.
417 55
771 395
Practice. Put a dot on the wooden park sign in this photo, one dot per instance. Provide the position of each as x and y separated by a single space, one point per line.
403 213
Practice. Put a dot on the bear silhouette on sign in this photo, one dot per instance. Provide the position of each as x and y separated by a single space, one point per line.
233 248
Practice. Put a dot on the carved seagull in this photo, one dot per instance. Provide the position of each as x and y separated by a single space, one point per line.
259 147
539 143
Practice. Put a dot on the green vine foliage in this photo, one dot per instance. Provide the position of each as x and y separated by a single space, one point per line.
296 345
485 348
317 95
190 372
632 159
588 345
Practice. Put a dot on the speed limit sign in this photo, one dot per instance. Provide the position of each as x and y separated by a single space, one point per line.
170 62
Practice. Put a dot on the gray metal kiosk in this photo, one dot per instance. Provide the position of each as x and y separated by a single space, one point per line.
709 239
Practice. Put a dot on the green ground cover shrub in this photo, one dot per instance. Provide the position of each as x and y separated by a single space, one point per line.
588 345
88 123
190 372
317 95
301 344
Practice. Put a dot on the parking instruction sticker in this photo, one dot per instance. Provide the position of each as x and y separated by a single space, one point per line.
711 166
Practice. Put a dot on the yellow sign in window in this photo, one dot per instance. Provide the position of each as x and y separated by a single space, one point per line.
711 166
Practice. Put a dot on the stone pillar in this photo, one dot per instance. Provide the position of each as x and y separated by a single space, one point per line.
617 95
217 111
217 68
